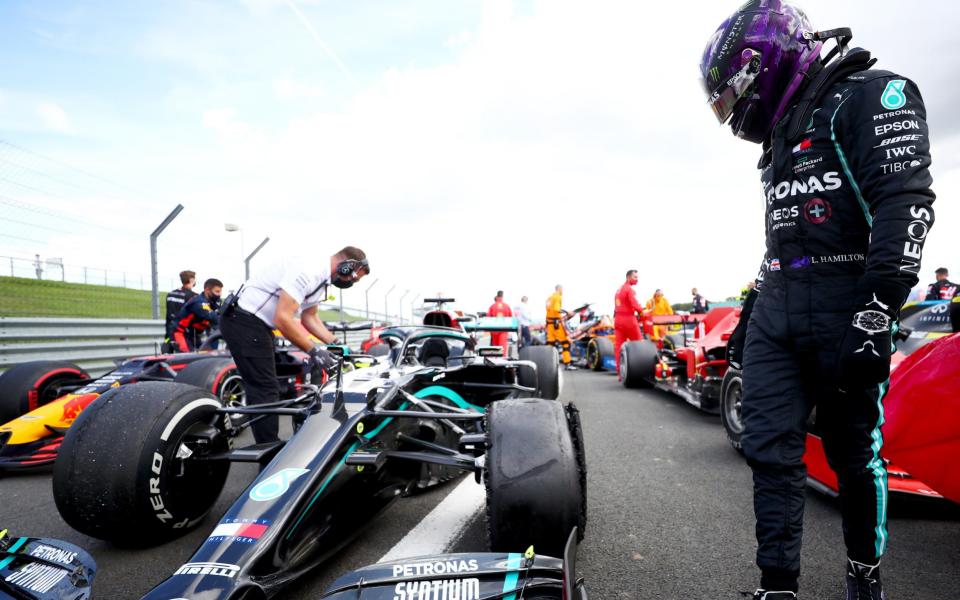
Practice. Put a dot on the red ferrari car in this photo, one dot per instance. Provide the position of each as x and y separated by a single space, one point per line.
921 324
691 363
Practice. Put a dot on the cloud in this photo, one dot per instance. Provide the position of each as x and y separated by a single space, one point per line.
556 144
289 89
54 117
224 122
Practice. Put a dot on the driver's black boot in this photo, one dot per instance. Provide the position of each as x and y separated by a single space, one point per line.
863 582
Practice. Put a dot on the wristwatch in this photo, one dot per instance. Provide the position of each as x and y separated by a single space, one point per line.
871 321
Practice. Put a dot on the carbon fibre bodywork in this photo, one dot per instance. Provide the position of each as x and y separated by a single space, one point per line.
371 436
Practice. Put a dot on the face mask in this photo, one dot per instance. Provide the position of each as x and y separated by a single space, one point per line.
343 283
214 299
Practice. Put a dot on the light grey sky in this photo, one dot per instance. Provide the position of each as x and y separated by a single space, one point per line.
468 147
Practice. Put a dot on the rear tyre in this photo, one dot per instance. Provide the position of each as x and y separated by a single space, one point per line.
638 361
730 415
220 377
379 350
30 385
546 379
599 350
532 477
127 470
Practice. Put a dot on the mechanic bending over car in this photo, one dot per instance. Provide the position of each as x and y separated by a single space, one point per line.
272 299
845 172
556 330
198 315
176 299
626 311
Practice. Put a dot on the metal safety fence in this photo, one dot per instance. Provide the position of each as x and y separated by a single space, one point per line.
94 344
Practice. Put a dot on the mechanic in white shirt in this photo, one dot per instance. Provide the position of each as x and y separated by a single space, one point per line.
284 296
522 313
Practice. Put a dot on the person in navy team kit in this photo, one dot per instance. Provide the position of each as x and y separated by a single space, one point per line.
197 316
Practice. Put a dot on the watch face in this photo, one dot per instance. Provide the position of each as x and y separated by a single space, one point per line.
871 321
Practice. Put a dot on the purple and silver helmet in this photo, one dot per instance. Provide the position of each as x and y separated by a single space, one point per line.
754 64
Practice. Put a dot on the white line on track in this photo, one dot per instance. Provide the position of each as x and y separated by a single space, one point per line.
437 532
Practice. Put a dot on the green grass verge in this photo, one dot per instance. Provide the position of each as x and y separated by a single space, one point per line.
23 297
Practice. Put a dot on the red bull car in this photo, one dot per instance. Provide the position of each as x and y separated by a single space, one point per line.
40 400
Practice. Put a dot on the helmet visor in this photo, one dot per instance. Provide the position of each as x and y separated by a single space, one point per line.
724 98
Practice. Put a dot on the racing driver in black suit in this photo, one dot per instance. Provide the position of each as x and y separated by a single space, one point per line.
848 207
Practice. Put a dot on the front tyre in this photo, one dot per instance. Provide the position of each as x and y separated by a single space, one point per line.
731 392
129 470
28 386
535 492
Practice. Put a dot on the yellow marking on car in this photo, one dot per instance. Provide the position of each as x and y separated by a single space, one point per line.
33 425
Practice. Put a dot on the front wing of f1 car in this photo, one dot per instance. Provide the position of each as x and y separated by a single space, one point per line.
44 569
466 576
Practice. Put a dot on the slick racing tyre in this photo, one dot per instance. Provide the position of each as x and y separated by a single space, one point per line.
220 377
30 385
730 392
598 350
127 470
379 350
546 379
638 361
532 475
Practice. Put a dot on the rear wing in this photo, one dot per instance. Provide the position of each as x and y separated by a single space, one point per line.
492 324
676 319
351 325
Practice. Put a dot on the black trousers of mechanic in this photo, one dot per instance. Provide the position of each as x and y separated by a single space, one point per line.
250 342
787 372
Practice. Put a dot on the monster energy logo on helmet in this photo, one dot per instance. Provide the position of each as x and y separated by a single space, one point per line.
893 96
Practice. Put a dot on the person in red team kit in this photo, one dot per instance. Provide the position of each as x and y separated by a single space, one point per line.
625 315
499 308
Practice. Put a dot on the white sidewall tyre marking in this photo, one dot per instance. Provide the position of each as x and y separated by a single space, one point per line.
183 412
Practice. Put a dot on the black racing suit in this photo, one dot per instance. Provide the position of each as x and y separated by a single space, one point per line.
848 199
175 301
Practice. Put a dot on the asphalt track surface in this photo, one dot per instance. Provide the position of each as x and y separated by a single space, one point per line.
670 517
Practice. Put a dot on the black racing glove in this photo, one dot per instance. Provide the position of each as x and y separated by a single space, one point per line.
738 338
322 358
867 344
